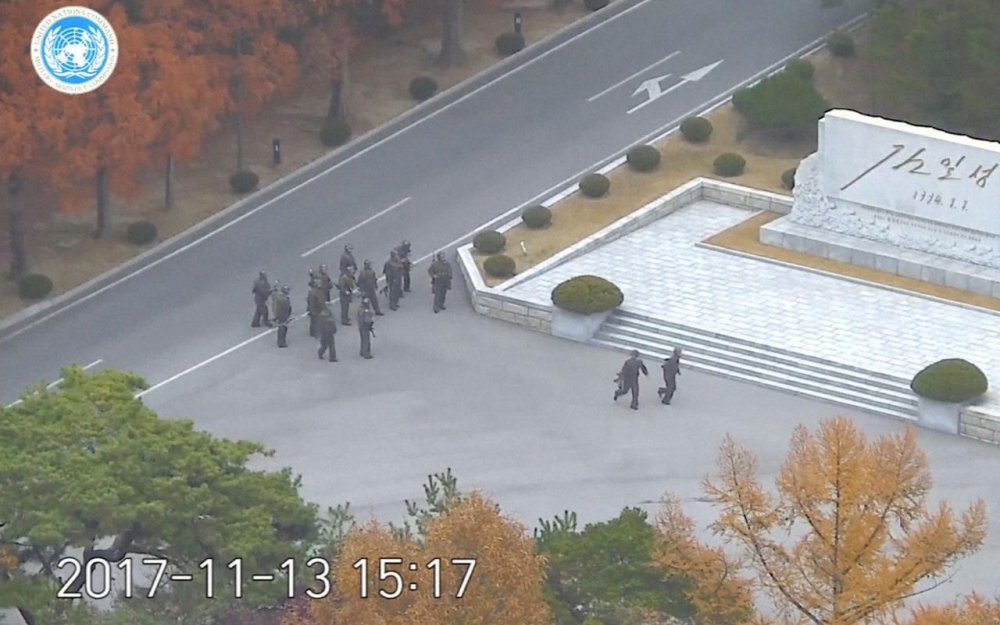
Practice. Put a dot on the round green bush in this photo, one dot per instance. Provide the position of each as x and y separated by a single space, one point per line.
595 185
840 44
643 158
509 43
801 68
593 5
140 233
587 295
952 380
499 266
34 286
422 88
536 217
729 164
244 181
489 242
696 129
334 132
788 178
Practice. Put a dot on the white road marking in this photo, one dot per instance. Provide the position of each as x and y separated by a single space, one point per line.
332 168
358 225
655 91
641 71
59 381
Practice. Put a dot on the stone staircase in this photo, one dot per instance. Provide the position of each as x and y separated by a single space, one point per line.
771 367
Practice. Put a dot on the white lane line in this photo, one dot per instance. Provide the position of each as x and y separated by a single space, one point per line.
641 71
332 168
356 226
59 381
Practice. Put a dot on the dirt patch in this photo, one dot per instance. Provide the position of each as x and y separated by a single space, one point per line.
745 238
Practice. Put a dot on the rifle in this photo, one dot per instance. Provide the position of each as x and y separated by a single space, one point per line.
385 291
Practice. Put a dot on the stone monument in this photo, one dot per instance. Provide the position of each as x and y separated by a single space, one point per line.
913 201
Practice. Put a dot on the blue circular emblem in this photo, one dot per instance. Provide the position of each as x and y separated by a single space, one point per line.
74 50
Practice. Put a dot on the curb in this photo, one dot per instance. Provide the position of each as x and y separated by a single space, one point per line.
19 322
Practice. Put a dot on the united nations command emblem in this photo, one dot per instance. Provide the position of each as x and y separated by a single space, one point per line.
74 50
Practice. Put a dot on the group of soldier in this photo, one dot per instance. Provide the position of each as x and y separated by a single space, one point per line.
628 377
351 282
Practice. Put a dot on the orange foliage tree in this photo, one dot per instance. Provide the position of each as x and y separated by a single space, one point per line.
972 610
847 538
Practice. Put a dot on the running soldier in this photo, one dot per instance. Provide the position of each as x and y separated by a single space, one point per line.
628 378
440 272
671 369
261 292
282 314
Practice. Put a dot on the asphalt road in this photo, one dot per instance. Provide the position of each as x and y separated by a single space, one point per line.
502 146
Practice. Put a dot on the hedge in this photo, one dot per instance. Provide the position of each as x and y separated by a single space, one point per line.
244 181
840 44
334 132
489 242
595 185
536 217
140 233
587 295
643 158
784 103
952 380
593 5
788 178
696 129
422 88
801 68
729 164
499 266
34 286
509 43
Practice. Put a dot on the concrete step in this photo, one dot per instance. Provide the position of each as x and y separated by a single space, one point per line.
767 379
754 357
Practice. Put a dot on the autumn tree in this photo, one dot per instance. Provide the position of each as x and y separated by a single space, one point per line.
971 610
452 47
848 536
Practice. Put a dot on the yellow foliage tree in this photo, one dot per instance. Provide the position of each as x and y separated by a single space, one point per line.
847 538
973 610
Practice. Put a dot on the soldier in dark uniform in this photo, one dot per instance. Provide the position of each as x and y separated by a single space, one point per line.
282 314
628 378
368 283
440 272
261 291
345 287
347 260
393 272
671 369
366 326
325 282
403 252
314 305
327 330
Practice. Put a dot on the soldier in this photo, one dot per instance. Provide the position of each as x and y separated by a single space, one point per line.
393 272
629 378
327 330
325 282
366 326
282 314
347 260
261 291
403 251
671 369
314 305
440 272
345 287
368 282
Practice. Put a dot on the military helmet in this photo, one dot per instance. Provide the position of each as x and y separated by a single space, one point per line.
635 353
286 289
440 256
263 273
348 248
368 263
393 254
322 268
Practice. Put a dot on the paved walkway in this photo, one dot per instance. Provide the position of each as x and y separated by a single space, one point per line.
664 275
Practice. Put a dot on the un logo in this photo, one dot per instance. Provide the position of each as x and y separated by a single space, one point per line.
74 50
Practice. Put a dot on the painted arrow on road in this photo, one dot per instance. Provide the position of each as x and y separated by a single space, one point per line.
655 90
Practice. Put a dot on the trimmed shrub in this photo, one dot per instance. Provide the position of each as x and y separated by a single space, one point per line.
422 88
244 181
696 129
593 5
801 68
499 266
536 217
840 44
952 380
140 233
643 158
489 242
334 132
594 185
509 43
729 165
783 103
587 295
788 178
34 286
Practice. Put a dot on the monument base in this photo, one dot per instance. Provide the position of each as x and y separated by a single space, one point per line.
787 234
